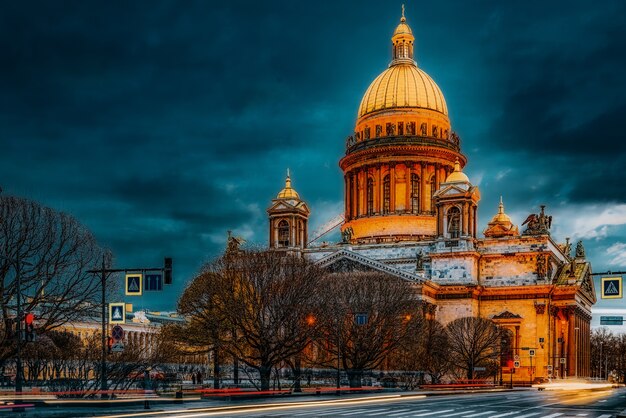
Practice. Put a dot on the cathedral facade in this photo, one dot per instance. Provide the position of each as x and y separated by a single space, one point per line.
411 212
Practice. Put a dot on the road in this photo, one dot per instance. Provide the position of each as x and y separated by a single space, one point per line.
522 404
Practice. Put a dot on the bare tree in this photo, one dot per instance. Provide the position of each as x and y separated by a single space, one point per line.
474 342
426 351
256 306
367 316
51 251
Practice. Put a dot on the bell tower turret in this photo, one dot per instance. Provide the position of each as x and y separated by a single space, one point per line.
288 219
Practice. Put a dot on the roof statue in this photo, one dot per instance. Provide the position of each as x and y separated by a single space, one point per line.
580 250
538 224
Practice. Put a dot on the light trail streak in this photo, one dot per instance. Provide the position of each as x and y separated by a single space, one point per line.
190 413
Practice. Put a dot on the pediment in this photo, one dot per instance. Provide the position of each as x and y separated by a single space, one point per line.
450 190
587 287
346 261
507 315
289 206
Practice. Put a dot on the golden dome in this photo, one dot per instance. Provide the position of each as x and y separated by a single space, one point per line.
501 225
501 216
403 85
457 175
288 192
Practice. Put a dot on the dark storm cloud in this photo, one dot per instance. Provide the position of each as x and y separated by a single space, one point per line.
162 124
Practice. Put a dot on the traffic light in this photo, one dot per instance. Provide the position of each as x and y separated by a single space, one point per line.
167 270
29 329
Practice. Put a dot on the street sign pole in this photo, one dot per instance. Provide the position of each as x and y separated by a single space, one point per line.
103 271
103 357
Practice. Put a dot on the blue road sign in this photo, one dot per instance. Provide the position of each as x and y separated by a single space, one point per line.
133 284
117 313
153 282
612 287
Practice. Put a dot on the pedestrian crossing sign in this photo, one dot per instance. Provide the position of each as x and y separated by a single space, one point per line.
134 284
612 287
117 313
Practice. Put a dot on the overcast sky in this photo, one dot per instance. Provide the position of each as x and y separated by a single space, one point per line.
162 124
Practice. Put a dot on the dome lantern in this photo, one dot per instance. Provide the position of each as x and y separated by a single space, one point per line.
403 41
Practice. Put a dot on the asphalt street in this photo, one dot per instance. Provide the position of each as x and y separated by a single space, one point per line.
547 404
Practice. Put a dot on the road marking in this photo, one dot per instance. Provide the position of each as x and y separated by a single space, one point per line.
459 413
581 415
605 416
355 411
433 413
504 415
528 415
398 412
377 413
478 414
553 415
604 400
318 411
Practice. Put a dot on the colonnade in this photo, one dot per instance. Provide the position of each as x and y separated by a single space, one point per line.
361 200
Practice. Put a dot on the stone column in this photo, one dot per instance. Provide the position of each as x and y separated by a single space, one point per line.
346 197
408 189
465 217
437 176
392 195
379 188
422 207
571 338
353 194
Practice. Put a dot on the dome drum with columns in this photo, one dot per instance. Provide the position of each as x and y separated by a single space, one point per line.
410 212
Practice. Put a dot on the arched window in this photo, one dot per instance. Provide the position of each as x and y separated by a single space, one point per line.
386 194
454 222
370 196
415 193
432 194
283 233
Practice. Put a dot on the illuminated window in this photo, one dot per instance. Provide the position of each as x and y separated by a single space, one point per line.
386 194
283 234
415 193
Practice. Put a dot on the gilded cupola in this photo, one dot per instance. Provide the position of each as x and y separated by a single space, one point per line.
288 192
288 219
501 225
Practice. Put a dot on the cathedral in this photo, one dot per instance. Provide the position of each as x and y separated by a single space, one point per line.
411 212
